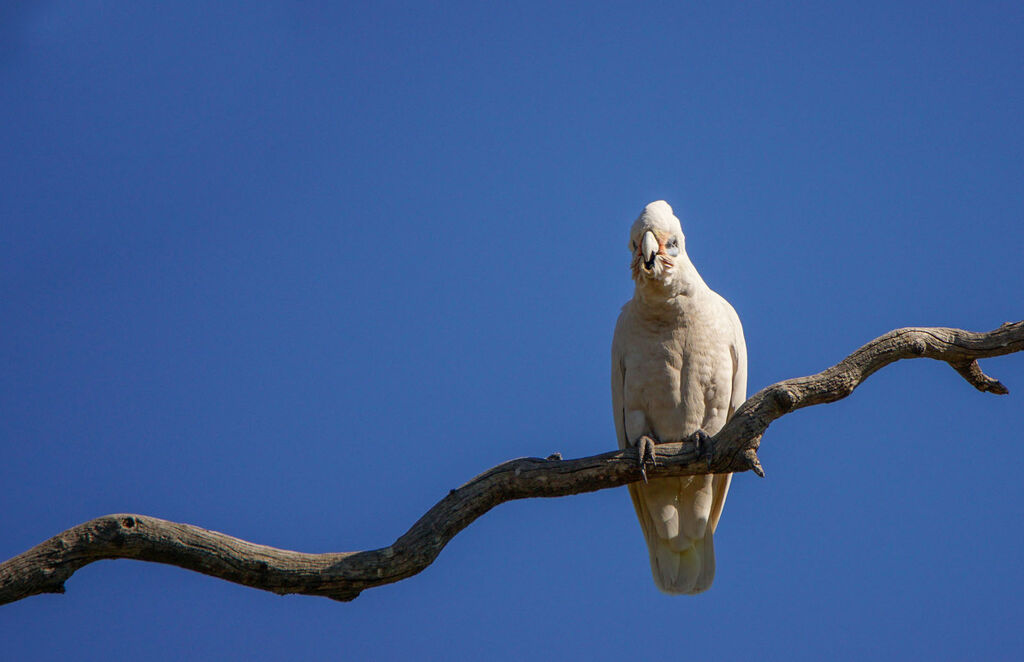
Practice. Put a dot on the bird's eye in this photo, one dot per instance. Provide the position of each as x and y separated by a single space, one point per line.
672 246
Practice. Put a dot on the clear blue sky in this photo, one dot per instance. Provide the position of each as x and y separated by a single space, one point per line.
291 271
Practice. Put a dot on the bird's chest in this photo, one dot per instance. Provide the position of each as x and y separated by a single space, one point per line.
675 377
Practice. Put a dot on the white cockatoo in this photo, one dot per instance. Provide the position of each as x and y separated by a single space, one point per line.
679 371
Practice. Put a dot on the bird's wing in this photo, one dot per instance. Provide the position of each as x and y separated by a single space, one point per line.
739 361
618 385
659 553
738 395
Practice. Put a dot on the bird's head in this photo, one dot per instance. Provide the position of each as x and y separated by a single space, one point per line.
656 241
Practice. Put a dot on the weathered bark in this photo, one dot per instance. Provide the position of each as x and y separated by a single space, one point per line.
342 576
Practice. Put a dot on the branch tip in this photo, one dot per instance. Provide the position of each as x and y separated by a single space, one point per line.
971 371
750 455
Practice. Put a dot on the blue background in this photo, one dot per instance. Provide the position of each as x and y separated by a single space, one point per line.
291 271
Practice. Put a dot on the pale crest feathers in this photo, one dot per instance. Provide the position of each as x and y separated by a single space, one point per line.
657 215
679 364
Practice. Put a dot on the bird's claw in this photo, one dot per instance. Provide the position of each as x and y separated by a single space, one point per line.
705 447
645 450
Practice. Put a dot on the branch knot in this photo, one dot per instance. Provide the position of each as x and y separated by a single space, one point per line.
784 399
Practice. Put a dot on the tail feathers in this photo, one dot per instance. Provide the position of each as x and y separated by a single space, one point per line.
687 571
674 515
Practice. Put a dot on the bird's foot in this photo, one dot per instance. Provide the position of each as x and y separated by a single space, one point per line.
705 447
645 451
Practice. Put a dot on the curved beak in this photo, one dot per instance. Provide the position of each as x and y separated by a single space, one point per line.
648 249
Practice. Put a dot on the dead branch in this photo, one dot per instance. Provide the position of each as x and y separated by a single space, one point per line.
342 576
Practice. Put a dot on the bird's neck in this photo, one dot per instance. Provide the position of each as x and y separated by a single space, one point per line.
672 294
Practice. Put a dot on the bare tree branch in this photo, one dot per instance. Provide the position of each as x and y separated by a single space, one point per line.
342 576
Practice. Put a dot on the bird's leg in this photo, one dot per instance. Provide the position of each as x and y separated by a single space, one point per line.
705 447
644 451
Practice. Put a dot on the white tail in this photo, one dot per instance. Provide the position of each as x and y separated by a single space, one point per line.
678 517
